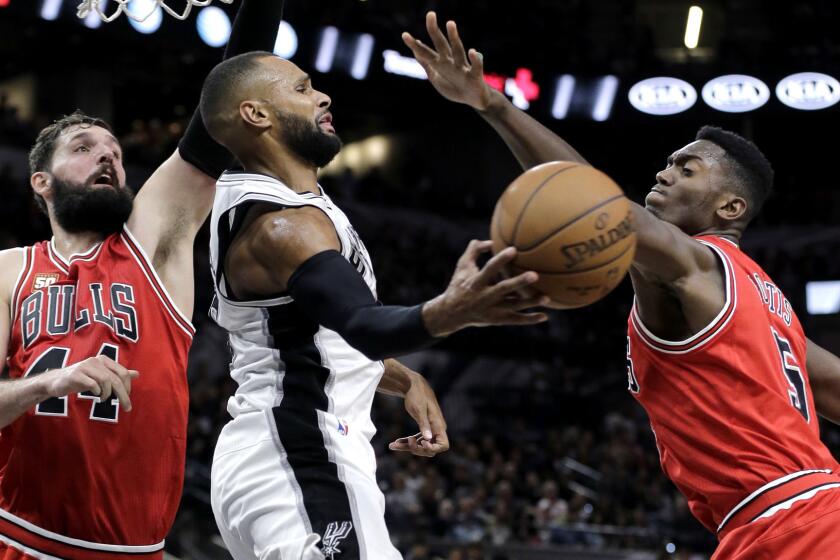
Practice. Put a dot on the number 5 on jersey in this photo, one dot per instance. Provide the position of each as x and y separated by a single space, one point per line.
56 358
793 375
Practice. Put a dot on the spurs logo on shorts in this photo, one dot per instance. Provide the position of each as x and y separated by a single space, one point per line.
334 534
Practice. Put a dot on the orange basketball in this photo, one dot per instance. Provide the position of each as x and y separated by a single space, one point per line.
571 224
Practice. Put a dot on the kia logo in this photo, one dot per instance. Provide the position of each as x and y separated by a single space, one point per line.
662 96
735 93
808 91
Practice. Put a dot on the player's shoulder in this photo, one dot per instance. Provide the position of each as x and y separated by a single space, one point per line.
11 263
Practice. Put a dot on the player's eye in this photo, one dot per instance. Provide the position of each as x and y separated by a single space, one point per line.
687 172
82 148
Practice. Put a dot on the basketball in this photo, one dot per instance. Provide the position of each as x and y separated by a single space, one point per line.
572 225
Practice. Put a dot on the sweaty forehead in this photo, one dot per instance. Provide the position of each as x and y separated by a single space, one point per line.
86 131
708 152
280 69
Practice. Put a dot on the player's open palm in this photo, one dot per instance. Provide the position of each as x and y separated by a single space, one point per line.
458 75
481 297
100 375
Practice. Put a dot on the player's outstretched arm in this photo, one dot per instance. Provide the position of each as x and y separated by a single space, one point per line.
458 76
177 198
665 255
422 404
296 250
824 376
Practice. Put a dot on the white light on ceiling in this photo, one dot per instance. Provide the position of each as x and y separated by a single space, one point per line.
692 26
286 44
50 9
213 26
605 98
142 8
563 97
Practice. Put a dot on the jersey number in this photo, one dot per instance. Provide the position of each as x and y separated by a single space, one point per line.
56 358
793 375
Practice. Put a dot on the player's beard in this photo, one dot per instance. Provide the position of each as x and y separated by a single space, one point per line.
81 207
306 139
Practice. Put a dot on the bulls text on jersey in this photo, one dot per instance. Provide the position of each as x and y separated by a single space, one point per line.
53 311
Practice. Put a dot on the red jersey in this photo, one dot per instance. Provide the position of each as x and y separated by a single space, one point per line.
731 407
80 479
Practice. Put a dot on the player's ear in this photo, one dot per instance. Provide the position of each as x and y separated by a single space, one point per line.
732 208
254 113
41 181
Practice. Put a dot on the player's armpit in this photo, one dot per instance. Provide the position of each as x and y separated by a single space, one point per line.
824 376
665 254
272 245
171 206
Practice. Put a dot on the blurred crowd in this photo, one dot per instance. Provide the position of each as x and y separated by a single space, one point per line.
547 446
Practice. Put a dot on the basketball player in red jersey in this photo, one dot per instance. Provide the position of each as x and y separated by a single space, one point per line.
91 455
715 352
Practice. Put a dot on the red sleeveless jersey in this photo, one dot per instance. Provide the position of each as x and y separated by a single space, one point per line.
731 407
81 479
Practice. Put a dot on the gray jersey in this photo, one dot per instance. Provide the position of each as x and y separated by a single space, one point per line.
280 356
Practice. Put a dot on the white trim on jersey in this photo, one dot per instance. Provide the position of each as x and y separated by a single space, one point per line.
788 503
770 485
52 254
25 269
707 333
164 296
31 527
26 550
86 255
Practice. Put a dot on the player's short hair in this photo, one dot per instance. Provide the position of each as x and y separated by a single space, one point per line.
224 82
40 156
751 172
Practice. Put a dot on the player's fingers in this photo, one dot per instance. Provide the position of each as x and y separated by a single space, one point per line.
121 393
458 53
434 448
476 63
473 250
408 443
82 382
106 388
437 37
516 284
420 51
114 366
495 266
519 303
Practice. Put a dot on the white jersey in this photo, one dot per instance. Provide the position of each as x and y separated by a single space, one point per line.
281 358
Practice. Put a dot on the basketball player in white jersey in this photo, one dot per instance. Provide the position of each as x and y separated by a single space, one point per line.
294 473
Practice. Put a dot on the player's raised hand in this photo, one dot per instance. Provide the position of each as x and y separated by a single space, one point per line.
480 297
100 375
458 75
422 404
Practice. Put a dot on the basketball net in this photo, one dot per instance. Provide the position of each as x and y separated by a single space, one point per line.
86 6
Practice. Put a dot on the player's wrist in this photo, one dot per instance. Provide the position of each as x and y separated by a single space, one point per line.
492 102
437 317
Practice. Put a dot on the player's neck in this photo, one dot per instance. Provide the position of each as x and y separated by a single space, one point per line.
284 166
68 244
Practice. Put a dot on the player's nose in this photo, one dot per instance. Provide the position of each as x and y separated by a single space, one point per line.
663 178
324 100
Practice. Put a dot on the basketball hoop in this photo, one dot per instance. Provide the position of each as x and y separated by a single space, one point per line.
87 6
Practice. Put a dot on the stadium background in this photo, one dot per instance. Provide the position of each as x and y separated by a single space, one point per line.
550 457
